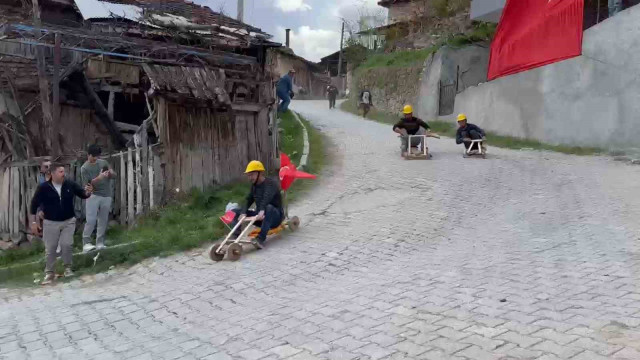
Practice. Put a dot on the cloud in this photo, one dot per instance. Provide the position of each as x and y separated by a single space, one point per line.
311 44
292 5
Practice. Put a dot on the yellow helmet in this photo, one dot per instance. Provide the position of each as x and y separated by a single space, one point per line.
462 117
254 165
408 109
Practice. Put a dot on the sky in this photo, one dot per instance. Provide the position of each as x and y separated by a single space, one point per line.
315 24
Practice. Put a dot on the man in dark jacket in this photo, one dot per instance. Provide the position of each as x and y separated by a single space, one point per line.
265 193
55 198
284 91
332 92
410 125
467 132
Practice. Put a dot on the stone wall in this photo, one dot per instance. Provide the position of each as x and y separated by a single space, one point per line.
390 87
590 100
406 11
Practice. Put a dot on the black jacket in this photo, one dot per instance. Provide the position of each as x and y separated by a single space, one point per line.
412 126
466 133
267 193
56 207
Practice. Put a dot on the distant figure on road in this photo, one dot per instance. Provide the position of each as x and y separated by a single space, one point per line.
615 6
55 196
365 102
467 132
332 92
284 90
410 125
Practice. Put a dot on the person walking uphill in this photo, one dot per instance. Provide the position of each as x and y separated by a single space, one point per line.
55 197
265 193
284 91
96 172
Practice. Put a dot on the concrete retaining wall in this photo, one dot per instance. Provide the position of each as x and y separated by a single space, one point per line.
591 100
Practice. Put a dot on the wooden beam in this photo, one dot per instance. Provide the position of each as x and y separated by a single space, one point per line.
112 100
56 83
126 127
103 114
43 84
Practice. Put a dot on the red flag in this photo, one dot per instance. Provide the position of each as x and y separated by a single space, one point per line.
284 160
228 217
289 174
534 33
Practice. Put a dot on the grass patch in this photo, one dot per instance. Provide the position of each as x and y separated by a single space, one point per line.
449 130
189 222
405 58
481 32
317 151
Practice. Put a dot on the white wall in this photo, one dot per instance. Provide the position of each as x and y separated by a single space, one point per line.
591 100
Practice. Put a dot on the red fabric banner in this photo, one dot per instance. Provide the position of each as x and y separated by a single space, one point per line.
533 33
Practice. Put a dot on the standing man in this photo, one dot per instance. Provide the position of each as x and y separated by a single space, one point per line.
332 91
45 172
43 176
467 132
366 102
56 198
98 174
284 90
410 125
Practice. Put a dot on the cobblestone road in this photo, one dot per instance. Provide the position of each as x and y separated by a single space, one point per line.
526 255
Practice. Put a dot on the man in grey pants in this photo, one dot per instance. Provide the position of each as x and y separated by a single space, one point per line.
55 198
96 172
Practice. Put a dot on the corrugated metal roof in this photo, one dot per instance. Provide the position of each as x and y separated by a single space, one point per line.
94 9
196 82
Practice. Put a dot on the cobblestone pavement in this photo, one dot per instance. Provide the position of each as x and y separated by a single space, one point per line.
525 255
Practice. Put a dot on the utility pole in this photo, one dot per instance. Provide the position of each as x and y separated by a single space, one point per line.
340 57
241 10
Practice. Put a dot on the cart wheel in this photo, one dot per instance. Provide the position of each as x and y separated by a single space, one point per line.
294 223
234 252
213 254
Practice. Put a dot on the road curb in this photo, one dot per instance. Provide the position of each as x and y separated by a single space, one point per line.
305 139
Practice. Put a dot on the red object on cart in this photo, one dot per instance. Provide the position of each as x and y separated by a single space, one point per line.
228 217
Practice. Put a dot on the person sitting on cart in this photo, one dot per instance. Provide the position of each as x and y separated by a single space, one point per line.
467 132
265 193
410 125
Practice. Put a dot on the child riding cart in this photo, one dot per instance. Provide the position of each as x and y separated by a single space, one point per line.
270 217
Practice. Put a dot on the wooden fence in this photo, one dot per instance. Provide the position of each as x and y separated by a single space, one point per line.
138 187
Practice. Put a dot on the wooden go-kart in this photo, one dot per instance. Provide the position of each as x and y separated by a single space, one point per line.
232 248
419 152
480 150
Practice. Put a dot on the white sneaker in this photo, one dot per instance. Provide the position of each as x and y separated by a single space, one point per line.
101 246
88 247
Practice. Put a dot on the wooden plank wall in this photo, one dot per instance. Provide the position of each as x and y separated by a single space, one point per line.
18 184
204 147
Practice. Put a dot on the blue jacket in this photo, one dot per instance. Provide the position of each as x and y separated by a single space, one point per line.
285 84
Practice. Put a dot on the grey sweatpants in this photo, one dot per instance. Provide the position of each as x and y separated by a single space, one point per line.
56 233
414 141
98 208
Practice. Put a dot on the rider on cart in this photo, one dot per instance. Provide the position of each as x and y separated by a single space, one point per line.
265 193
410 125
468 132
